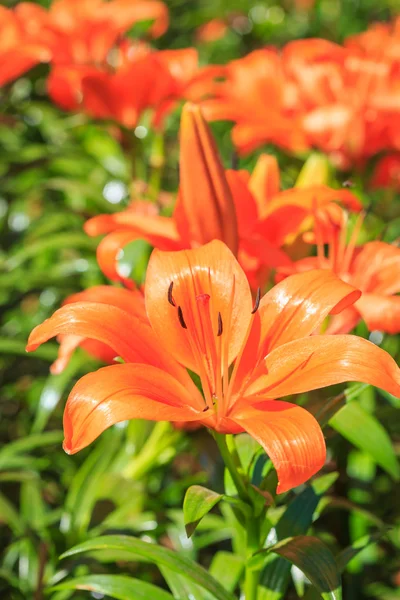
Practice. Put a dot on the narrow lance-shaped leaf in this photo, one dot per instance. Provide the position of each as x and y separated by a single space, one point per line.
155 554
366 433
346 555
296 520
115 586
314 559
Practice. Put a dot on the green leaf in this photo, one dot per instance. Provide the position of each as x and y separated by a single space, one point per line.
10 516
115 586
346 555
328 408
366 433
313 558
31 442
182 588
227 568
197 503
296 520
158 555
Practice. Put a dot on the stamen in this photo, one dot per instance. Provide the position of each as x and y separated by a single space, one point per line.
170 297
220 327
257 302
181 319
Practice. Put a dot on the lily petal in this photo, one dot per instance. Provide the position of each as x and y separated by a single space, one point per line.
380 312
127 335
293 309
291 437
377 267
205 195
109 249
323 360
265 181
245 205
131 302
206 282
122 392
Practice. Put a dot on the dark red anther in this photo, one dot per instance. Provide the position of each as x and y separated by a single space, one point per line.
181 319
257 302
220 326
170 297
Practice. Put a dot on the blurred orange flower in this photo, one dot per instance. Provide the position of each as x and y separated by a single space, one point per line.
21 43
374 268
71 32
139 79
202 318
247 212
342 100
212 31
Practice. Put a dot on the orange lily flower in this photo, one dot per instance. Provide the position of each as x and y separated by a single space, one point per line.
21 45
319 95
374 268
86 30
129 301
248 213
202 318
141 79
241 98
71 32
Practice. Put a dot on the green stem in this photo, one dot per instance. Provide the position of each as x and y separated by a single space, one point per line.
252 576
230 465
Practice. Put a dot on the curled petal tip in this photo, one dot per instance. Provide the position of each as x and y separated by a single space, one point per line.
67 448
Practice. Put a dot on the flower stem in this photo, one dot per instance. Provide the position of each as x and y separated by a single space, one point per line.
252 576
230 465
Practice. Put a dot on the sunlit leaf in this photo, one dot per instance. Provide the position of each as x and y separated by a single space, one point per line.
197 503
346 555
115 586
366 433
158 555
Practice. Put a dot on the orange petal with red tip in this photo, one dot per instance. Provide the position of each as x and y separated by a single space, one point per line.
205 195
265 181
120 392
293 309
291 437
380 312
207 275
127 335
322 360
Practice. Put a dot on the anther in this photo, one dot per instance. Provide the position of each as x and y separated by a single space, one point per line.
257 302
181 319
170 297
206 409
220 327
